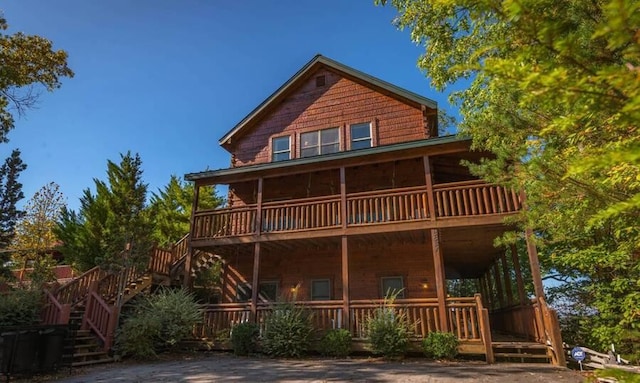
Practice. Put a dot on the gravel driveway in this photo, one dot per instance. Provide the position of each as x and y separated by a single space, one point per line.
220 367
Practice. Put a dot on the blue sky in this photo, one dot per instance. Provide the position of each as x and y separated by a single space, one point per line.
167 79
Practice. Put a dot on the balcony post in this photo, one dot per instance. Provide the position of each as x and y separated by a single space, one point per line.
186 279
532 252
441 289
429 182
345 251
254 281
258 219
498 280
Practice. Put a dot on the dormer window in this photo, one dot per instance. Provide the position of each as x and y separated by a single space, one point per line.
361 136
319 142
281 148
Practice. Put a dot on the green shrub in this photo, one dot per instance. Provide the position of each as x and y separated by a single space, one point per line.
388 330
336 343
157 323
20 307
440 345
287 331
244 338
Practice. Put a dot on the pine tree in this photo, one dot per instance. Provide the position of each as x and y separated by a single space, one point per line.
10 194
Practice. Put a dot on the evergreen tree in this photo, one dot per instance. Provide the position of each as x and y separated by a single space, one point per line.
10 194
171 209
112 220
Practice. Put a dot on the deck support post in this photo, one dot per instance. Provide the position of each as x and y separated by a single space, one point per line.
429 183
534 263
522 296
345 283
254 281
345 251
186 279
507 279
441 289
492 302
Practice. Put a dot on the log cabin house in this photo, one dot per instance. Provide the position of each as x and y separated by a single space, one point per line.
340 191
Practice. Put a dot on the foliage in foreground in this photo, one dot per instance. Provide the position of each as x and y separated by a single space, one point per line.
554 95
388 330
20 308
620 375
158 323
244 338
440 345
288 331
336 342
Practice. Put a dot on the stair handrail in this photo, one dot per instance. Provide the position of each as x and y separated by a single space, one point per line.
55 312
484 328
75 291
551 332
101 317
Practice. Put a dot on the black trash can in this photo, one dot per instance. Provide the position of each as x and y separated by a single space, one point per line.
51 347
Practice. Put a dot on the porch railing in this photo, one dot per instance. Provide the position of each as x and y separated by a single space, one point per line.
464 316
301 214
472 198
460 199
404 204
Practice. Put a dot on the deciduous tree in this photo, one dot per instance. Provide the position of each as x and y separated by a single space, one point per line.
554 93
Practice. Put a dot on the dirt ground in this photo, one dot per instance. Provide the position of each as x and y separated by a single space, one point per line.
223 367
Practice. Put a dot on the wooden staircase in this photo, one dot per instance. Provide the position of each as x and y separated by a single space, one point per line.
90 303
521 352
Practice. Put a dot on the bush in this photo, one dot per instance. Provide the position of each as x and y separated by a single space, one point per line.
287 332
20 308
157 323
244 338
336 343
388 332
440 345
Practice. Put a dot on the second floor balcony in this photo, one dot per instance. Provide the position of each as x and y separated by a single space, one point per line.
460 202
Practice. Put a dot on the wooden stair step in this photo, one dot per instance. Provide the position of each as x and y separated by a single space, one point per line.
93 361
520 355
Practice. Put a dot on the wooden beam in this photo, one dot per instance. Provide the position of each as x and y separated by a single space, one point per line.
345 283
343 197
507 279
532 252
534 263
522 296
258 220
428 176
490 297
186 278
441 289
255 281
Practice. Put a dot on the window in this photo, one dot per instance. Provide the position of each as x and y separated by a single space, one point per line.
319 142
361 136
243 292
268 291
393 285
281 148
320 290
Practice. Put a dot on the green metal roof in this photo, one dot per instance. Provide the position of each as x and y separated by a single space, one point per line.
312 65
340 156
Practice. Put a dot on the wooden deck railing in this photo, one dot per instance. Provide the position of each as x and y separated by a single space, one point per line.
473 198
460 199
422 315
219 319
224 222
404 204
301 214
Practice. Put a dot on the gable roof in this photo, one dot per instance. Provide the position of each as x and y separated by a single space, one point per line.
307 70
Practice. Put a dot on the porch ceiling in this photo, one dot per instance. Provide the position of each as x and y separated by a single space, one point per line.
467 251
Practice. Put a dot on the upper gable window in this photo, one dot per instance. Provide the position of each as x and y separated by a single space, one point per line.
319 142
281 148
361 136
